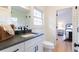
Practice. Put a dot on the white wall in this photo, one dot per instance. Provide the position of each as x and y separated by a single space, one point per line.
4 14
50 24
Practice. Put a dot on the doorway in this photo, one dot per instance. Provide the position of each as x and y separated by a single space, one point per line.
64 30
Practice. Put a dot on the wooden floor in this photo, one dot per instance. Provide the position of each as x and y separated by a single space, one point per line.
63 46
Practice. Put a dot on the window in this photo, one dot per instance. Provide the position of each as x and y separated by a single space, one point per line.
38 17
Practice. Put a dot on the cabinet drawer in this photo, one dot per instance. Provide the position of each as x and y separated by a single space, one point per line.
15 48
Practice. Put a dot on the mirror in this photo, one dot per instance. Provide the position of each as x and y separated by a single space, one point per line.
20 16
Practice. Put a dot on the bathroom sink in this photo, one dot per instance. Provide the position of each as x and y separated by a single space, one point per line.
28 35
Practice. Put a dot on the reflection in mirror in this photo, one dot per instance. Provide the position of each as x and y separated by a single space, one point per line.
21 14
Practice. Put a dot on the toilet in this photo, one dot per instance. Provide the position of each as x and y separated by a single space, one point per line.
48 46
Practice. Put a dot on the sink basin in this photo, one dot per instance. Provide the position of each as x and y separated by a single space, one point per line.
27 35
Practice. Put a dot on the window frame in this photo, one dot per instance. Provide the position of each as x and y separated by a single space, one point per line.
41 18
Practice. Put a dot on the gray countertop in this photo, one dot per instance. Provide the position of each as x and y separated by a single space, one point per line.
16 40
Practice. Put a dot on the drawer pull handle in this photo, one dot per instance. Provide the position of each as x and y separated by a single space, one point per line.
16 50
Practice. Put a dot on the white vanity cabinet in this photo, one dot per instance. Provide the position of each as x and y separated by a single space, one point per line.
34 45
15 48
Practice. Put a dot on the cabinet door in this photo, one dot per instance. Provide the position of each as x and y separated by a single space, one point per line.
39 43
40 47
34 45
30 45
16 48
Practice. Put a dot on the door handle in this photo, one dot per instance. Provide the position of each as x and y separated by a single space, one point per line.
77 29
34 49
37 47
16 50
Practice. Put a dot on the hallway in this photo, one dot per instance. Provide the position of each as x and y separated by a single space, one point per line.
63 46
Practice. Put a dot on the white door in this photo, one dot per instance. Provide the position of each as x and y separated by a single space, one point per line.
75 23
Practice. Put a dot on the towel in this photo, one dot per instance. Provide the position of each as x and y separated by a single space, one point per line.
8 28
